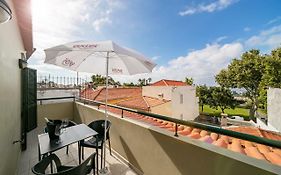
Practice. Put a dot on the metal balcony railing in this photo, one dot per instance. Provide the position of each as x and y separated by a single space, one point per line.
218 130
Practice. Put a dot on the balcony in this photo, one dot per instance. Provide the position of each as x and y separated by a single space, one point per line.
142 148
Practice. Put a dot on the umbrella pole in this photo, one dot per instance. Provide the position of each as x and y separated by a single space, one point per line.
105 170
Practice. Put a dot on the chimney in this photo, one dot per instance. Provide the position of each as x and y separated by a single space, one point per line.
223 119
160 96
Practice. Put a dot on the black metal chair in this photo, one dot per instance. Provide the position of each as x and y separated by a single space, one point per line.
81 169
96 141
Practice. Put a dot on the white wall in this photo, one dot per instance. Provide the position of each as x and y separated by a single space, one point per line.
262 125
155 91
274 107
49 93
188 109
10 94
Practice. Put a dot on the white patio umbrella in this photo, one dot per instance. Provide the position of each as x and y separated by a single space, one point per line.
104 57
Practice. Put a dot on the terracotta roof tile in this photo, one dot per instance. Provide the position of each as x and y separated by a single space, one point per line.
221 143
194 135
136 102
169 83
273 158
151 101
203 133
253 152
247 130
256 132
214 136
206 139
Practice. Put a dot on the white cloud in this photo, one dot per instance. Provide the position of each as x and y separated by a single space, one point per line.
269 38
103 13
202 64
101 22
247 29
221 38
278 18
155 58
60 21
211 7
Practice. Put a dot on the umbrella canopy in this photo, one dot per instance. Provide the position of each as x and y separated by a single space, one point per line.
86 56
103 57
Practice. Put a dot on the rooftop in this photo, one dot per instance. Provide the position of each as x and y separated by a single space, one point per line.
126 97
169 83
256 132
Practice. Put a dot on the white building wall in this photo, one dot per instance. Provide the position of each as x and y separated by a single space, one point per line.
157 91
184 103
274 107
262 125
51 93
11 46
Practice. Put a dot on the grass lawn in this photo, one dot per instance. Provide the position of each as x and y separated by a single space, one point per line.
237 111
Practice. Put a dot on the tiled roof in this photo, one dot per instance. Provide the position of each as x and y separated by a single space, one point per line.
251 149
126 97
257 132
151 101
169 83
135 103
113 93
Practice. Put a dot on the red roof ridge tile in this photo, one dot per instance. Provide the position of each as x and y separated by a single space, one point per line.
260 133
99 91
165 100
166 82
146 103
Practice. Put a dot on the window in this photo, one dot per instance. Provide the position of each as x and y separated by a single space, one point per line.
181 99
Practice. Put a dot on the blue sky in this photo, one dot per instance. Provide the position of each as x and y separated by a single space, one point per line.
185 38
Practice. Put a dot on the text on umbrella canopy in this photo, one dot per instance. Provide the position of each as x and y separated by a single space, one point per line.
85 46
68 62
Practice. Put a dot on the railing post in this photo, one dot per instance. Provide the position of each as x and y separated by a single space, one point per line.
122 113
176 130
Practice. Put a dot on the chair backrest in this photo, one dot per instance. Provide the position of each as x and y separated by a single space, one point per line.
98 126
82 169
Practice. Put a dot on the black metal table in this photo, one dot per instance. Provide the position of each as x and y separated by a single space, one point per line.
69 136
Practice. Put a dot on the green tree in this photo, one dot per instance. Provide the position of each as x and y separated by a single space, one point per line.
148 81
272 73
204 95
222 98
131 84
188 81
144 81
99 80
246 73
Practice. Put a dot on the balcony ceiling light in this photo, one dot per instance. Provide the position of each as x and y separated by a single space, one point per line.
5 12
